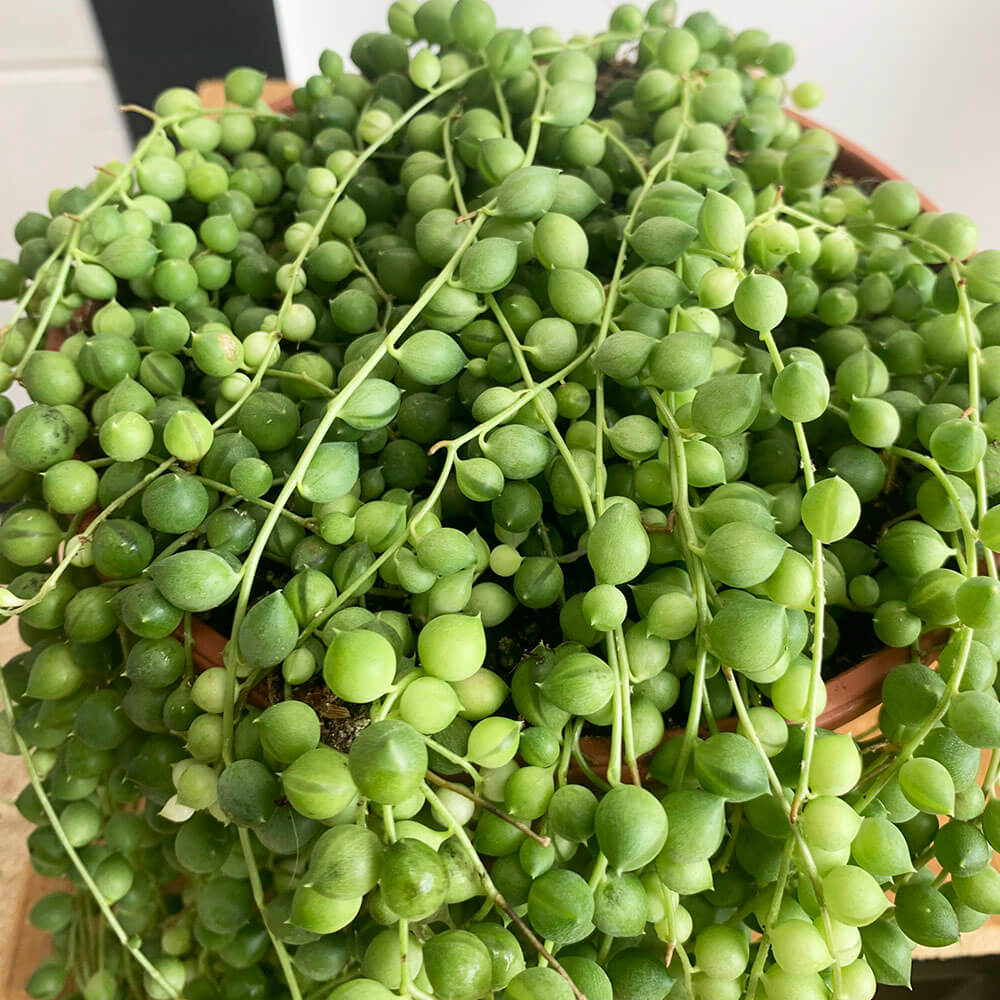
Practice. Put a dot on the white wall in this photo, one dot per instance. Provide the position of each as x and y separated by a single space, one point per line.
915 81
58 109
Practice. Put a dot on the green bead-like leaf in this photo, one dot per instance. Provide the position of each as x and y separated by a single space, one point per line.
926 916
721 223
527 193
743 555
726 405
486 266
432 357
569 103
928 786
830 510
662 239
728 765
195 580
618 546
331 473
269 632
373 404
128 256
888 951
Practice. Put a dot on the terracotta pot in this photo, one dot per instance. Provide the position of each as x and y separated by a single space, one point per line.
207 644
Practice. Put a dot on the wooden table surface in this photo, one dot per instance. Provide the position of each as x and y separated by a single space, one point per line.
21 946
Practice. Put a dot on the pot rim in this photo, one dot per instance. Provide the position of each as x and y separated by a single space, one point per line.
857 163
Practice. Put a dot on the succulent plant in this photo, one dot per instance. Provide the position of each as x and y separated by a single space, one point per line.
509 393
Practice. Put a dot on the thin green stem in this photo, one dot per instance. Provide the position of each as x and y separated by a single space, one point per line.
472 796
560 442
806 859
256 501
622 721
451 449
457 759
75 543
774 910
614 285
974 357
536 116
990 781
359 161
458 831
812 220
50 304
257 888
362 266
818 603
968 529
36 285
688 538
621 729
504 111
626 150
449 158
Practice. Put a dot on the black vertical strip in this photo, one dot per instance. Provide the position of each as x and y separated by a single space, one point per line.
154 46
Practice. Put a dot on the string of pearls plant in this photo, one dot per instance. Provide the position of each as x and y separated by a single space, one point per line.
503 397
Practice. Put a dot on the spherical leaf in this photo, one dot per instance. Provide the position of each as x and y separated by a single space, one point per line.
195 580
486 266
561 906
761 302
359 666
458 965
618 547
721 223
927 784
452 646
853 896
748 633
318 783
569 103
580 683
926 916
576 295
726 405
345 862
830 510
269 632
662 239
387 761
247 792
881 849
975 717
538 983
527 193
980 892
331 473
373 404
743 555
728 765
801 392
